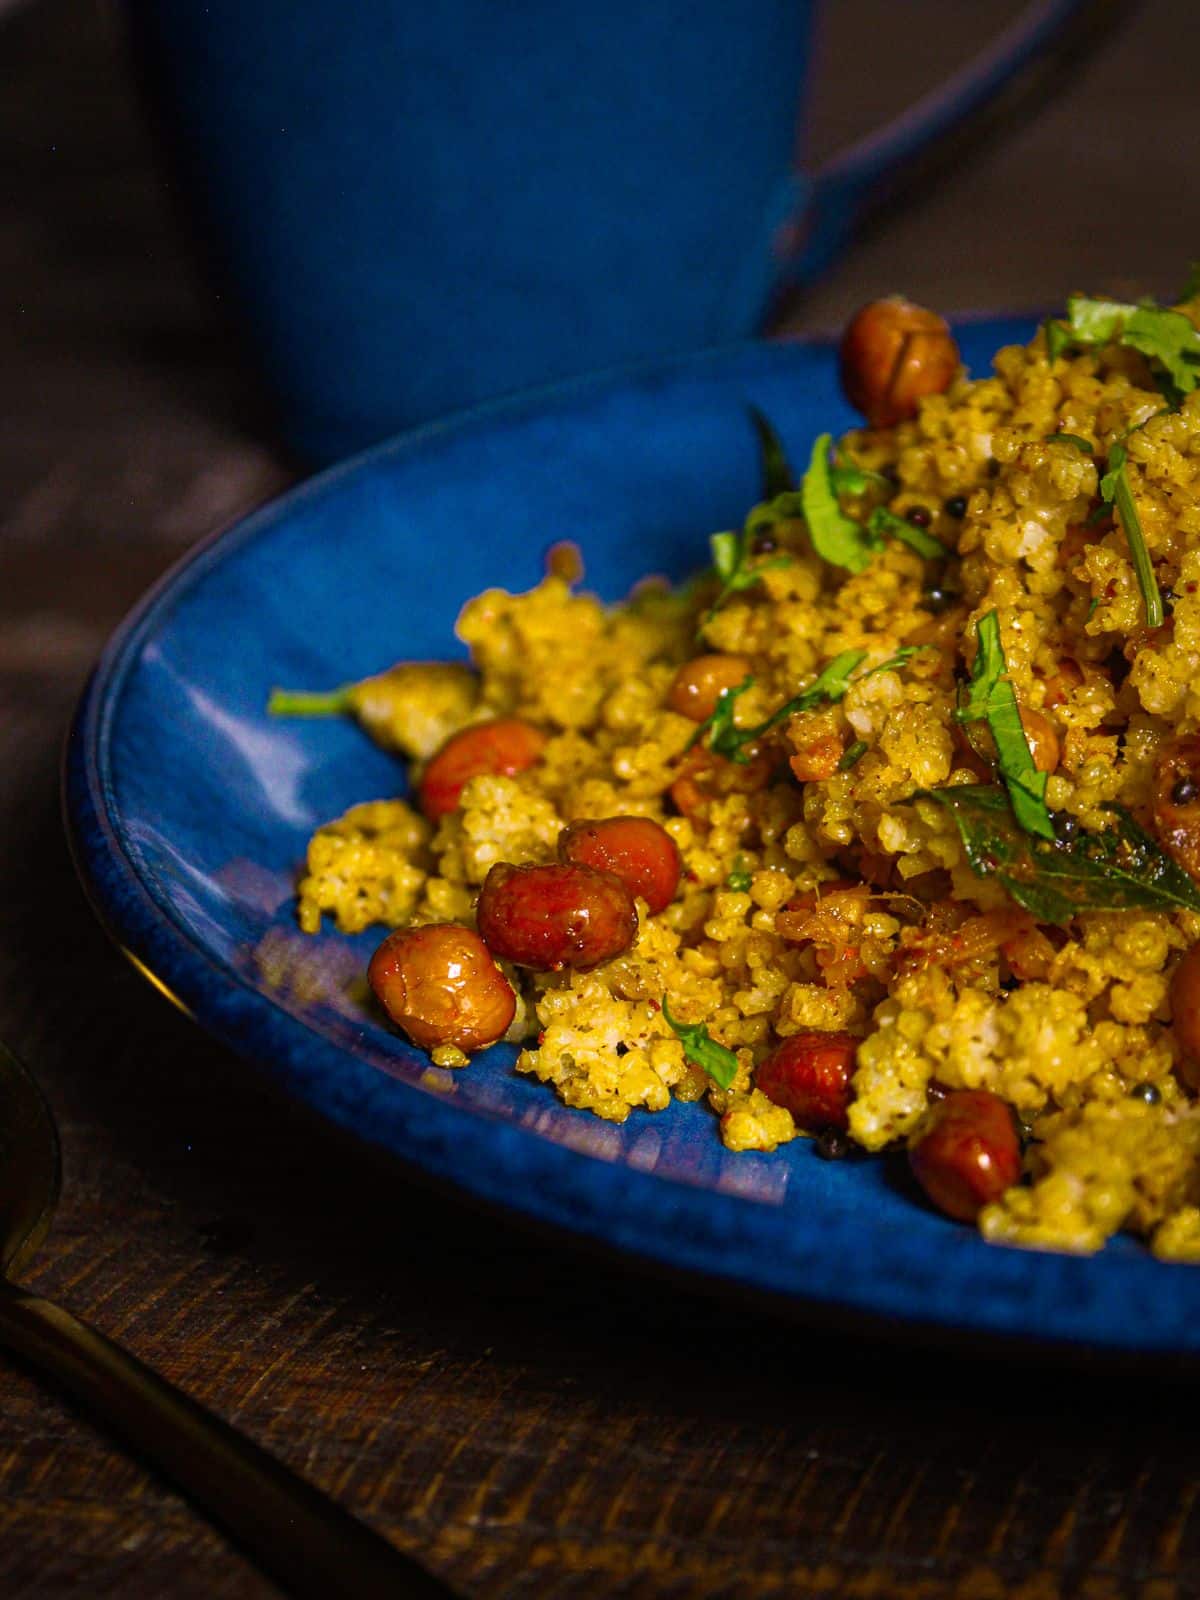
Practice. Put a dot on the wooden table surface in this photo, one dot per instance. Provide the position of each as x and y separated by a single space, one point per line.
528 1421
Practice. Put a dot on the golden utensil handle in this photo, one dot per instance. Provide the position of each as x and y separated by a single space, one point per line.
296 1534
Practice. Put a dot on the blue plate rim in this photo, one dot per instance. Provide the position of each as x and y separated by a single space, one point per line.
724 1239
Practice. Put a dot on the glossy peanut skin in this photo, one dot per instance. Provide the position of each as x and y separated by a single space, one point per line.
809 1074
894 353
440 984
504 745
1178 824
549 917
640 852
703 777
699 684
966 1153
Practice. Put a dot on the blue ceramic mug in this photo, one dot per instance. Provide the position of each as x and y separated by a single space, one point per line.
420 206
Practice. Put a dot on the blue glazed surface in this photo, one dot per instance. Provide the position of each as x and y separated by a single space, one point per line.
417 208
189 810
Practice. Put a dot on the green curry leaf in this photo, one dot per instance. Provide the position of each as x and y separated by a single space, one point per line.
1121 869
777 475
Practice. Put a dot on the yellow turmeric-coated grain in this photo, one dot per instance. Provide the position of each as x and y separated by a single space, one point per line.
943 980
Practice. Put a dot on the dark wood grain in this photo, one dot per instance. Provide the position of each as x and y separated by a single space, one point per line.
530 1421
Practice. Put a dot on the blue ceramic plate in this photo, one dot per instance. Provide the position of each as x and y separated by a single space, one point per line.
190 809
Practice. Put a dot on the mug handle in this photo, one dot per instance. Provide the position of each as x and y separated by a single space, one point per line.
1018 65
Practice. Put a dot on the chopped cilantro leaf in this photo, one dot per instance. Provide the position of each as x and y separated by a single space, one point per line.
905 653
719 722
1058 337
718 1061
830 685
889 525
739 878
847 478
854 754
990 698
726 554
1070 438
989 667
1115 490
730 555
306 703
1095 321
1166 338
1115 467
1191 289
836 537
833 680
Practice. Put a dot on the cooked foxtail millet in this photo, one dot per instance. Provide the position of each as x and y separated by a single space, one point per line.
922 754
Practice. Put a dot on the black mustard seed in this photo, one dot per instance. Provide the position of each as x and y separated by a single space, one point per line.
1066 826
937 599
832 1144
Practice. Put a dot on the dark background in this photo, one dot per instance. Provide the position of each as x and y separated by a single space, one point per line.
529 1421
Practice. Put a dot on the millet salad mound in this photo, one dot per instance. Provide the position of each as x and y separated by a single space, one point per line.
883 830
